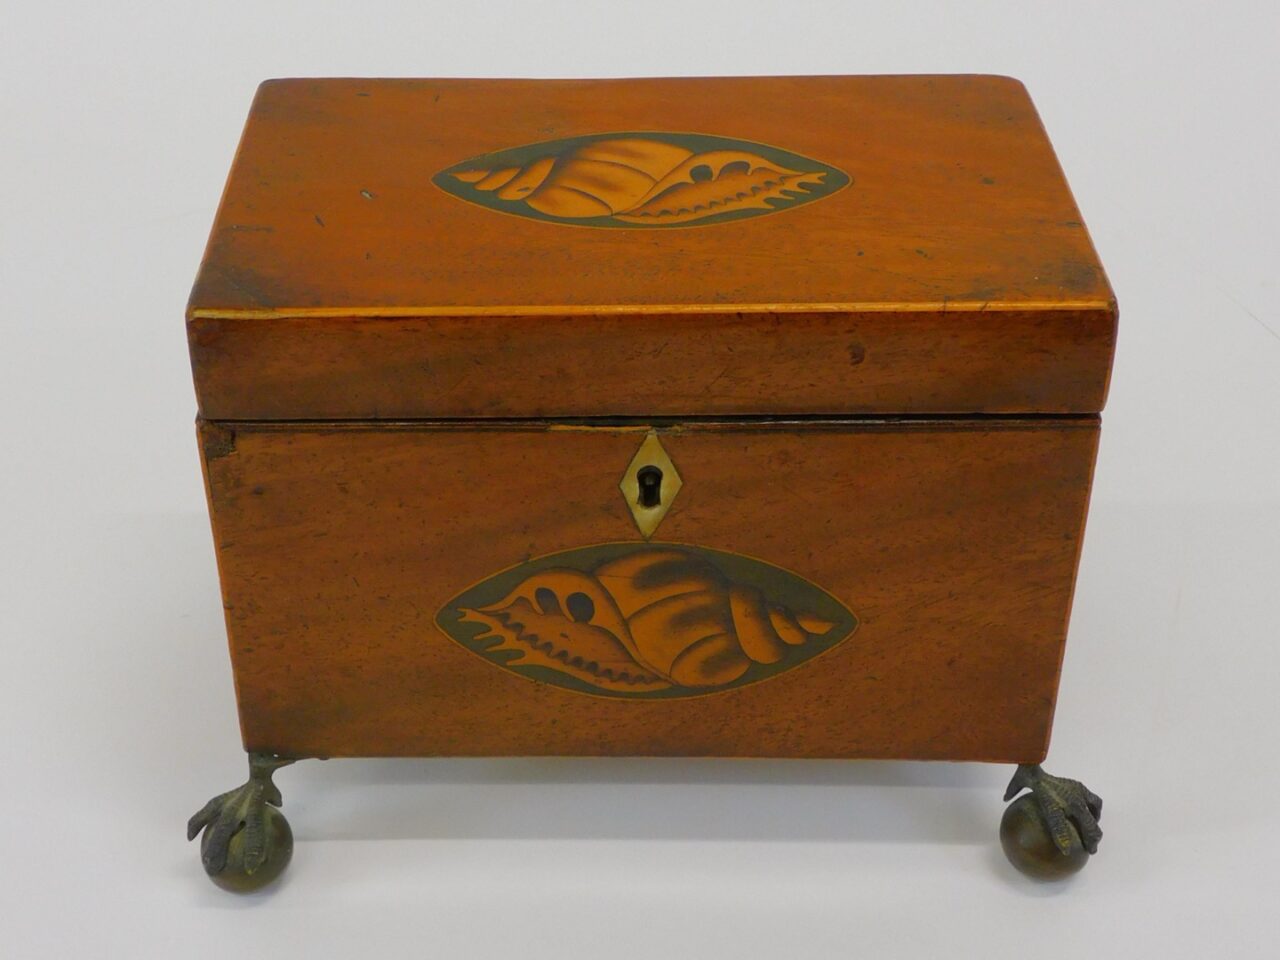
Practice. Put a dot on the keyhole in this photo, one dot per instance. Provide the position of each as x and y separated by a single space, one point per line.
649 480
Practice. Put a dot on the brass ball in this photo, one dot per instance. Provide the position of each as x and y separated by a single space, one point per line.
234 877
1026 842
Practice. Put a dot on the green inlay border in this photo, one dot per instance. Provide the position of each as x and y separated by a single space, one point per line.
835 181
775 583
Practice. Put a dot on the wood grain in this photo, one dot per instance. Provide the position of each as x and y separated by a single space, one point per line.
954 542
953 275
659 365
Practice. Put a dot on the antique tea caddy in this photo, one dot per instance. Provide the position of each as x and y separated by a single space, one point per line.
748 417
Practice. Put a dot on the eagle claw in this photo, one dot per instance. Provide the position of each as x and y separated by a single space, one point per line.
1063 804
243 813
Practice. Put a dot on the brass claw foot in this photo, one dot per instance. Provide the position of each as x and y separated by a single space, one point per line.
1050 832
247 842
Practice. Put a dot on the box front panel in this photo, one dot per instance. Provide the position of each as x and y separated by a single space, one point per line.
818 589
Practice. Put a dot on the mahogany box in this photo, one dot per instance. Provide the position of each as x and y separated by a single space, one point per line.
748 417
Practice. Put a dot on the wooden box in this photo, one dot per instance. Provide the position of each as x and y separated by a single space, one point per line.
708 417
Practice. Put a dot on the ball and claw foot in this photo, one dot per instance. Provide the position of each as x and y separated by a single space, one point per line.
1050 832
247 842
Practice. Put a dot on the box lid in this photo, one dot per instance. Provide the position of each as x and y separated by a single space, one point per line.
661 247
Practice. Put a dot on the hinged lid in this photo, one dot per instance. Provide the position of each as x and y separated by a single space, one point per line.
525 248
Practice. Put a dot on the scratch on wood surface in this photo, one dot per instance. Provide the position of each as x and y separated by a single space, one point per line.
1257 319
218 440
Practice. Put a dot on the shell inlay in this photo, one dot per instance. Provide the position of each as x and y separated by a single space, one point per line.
642 620
641 180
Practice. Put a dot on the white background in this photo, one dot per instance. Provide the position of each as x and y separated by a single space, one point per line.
116 710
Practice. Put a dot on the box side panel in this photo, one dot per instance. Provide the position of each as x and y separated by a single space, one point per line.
1004 362
344 551
216 441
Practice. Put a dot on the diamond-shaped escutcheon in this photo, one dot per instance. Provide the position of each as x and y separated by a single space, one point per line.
650 484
